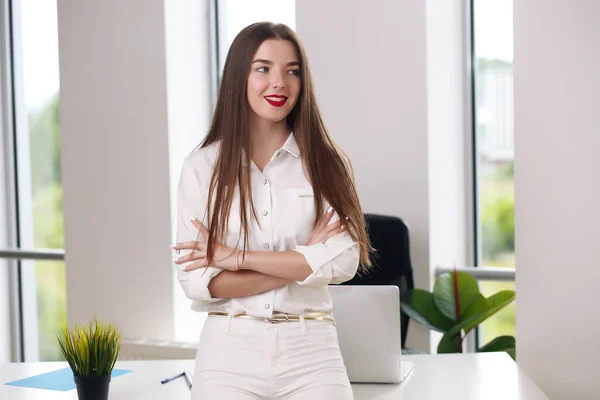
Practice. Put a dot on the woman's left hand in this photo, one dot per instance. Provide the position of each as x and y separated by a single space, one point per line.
224 257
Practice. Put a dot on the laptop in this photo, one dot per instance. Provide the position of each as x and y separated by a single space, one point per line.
368 325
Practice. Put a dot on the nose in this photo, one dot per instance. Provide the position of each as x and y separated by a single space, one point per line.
278 81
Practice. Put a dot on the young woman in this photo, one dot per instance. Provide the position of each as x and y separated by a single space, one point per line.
268 216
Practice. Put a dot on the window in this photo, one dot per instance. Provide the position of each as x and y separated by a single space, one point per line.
235 15
35 81
493 158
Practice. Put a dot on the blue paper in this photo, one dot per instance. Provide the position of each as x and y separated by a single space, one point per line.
61 379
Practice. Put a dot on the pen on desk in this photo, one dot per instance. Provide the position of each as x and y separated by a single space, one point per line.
173 377
188 378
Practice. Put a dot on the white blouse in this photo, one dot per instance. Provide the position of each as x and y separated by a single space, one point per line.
283 199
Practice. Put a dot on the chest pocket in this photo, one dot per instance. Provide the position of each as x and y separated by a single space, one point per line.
299 213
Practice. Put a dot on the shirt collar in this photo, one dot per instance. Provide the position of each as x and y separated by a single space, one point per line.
291 146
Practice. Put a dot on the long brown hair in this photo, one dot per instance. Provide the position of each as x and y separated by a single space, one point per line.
327 168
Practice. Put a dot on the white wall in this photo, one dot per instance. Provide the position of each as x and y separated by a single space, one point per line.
115 164
368 61
557 139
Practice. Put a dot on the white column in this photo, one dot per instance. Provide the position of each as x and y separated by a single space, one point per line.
447 111
450 211
557 195
127 120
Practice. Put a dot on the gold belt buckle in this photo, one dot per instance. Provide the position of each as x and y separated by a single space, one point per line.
276 320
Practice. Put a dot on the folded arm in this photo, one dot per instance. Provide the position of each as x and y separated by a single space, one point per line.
229 284
334 261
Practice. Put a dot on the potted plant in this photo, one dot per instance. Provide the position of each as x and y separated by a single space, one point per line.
455 308
91 351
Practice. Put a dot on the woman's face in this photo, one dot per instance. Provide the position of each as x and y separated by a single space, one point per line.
274 80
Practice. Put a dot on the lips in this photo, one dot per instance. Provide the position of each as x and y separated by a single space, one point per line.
276 100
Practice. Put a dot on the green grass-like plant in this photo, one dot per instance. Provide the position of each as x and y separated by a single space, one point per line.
91 350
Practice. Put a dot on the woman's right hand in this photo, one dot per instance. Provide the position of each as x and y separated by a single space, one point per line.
323 232
224 257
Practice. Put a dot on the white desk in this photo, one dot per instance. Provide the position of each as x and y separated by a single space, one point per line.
448 376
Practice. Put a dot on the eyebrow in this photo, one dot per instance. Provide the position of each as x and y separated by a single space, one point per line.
268 62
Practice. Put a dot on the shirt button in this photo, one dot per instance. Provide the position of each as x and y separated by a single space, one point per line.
267 306
265 181
265 213
266 246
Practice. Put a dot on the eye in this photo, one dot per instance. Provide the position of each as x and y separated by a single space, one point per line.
294 72
262 69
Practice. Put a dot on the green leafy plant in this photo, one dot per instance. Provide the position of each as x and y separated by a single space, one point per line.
455 308
91 350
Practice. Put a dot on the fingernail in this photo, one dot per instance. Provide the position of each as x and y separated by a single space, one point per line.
173 246
192 218
330 210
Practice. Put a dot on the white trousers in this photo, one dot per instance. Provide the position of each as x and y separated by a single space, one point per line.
244 359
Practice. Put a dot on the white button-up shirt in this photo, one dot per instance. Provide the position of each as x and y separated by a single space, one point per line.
283 199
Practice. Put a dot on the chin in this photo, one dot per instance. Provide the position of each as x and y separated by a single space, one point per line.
274 117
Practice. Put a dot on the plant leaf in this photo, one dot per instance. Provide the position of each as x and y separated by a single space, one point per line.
91 350
478 305
501 343
512 353
449 344
419 305
443 293
494 304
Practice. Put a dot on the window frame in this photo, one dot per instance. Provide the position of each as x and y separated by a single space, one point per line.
10 189
22 293
475 241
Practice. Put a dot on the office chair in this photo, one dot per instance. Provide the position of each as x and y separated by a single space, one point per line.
391 262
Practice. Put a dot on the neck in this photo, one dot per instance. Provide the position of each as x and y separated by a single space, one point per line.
267 137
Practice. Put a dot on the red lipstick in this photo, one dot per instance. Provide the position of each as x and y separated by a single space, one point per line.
276 100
